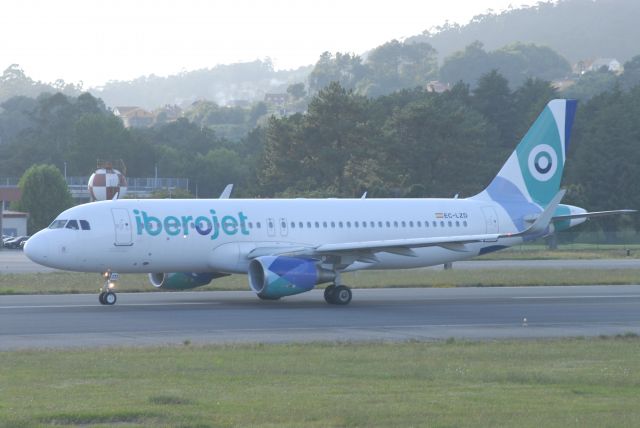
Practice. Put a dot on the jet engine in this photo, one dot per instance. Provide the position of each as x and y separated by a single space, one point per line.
272 277
182 280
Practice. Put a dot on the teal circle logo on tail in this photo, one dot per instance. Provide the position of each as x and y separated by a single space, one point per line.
543 162
541 154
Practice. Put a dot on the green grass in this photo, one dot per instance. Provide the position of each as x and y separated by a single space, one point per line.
553 383
71 282
565 252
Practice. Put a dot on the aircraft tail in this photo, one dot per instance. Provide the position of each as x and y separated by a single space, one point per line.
533 172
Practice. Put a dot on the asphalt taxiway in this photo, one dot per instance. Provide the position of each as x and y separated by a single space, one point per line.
62 321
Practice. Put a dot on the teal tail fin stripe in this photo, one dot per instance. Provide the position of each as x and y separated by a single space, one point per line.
533 172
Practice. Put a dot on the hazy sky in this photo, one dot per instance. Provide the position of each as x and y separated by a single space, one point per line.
96 41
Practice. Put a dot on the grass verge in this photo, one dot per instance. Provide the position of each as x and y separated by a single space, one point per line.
573 382
71 282
565 252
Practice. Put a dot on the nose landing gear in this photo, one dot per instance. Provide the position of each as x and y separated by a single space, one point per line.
107 295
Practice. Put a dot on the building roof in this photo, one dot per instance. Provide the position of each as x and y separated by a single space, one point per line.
14 214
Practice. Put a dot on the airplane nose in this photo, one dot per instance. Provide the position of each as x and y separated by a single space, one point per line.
36 248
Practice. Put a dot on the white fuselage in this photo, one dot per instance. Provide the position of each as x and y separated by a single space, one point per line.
217 235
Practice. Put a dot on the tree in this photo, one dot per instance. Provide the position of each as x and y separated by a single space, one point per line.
296 90
433 143
346 69
320 150
395 65
631 76
466 66
516 62
44 196
591 84
493 99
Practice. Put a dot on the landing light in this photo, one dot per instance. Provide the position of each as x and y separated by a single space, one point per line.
111 285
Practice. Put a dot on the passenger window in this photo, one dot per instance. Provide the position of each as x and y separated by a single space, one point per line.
388 224
309 225
84 224
258 224
464 223
364 224
419 223
410 224
442 224
379 224
348 224
72 224
324 224
293 225
457 223
404 224
333 224
356 224
250 225
435 224
340 224
449 223
395 224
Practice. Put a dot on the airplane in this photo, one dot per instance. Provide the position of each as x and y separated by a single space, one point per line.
288 246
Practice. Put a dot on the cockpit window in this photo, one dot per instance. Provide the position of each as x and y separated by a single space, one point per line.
84 224
72 224
57 224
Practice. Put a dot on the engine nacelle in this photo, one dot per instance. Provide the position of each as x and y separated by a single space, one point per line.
182 280
272 277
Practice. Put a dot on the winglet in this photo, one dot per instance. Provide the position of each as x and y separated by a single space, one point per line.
542 222
226 193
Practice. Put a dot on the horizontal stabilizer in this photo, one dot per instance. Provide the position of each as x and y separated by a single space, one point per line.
591 214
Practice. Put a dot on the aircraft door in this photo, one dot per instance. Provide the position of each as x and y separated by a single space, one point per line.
491 219
283 226
271 227
123 229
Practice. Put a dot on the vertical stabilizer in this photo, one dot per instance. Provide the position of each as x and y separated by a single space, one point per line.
533 172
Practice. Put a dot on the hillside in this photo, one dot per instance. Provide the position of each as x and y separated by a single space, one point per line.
247 81
576 29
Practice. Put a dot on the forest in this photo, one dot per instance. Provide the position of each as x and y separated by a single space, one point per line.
410 143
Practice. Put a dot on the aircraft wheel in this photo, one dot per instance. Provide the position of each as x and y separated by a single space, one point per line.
328 293
101 298
341 295
109 298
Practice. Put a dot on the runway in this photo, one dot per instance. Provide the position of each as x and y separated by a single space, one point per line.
62 321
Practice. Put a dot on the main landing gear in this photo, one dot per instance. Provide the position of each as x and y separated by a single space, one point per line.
107 295
337 294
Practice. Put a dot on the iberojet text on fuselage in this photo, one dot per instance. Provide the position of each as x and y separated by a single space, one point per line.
205 225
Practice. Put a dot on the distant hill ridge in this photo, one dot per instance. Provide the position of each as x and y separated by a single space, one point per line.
577 29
